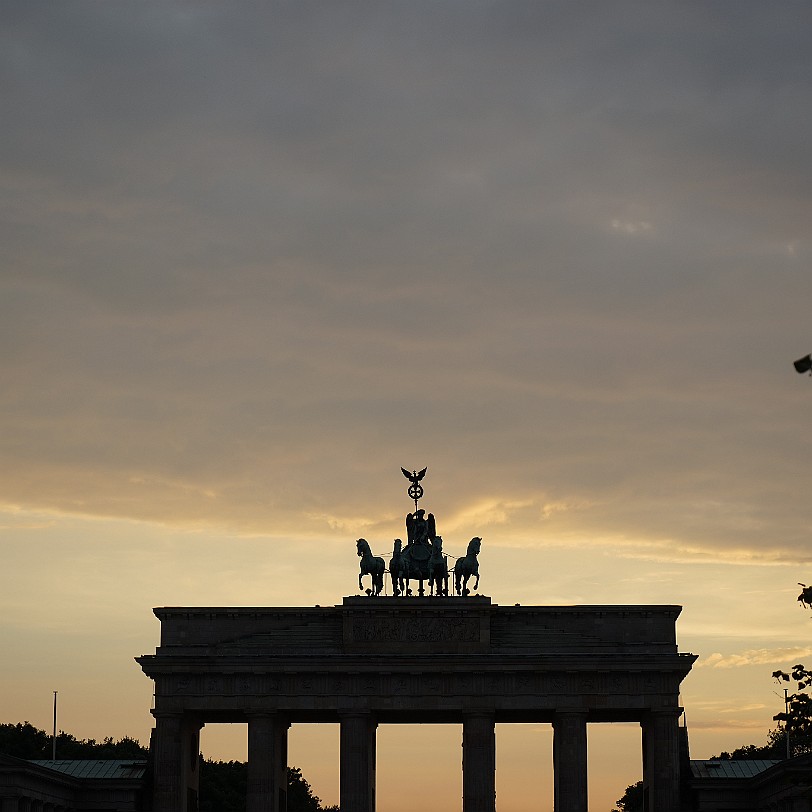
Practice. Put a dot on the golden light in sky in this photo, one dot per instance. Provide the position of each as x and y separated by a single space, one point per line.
256 259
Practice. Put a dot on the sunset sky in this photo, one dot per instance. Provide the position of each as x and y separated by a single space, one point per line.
258 256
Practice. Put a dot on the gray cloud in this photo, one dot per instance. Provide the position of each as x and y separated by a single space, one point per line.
557 252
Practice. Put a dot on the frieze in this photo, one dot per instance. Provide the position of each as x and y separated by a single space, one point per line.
339 685
415 630
525 683
401 683
617 684
589 684
246 684
486 682
214 685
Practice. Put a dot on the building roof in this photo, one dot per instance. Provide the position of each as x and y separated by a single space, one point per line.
91 768
730 768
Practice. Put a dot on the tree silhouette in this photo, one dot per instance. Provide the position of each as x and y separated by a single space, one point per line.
222 783
797 718
23 740
632 800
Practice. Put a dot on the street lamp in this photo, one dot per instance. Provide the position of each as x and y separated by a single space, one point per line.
804 365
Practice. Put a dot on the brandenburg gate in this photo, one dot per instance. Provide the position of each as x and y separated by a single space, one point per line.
410 659
375 660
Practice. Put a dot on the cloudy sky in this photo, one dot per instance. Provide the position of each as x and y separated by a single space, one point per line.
256 257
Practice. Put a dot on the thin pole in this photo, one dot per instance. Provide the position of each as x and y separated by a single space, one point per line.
53 739
786 724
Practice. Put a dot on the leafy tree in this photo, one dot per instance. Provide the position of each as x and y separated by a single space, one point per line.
222 783
223 786
300 794
23 740
775 748
632 800
798 716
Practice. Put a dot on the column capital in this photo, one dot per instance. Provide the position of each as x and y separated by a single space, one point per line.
478 714
368 716
274 716
665 712
162 714
570 713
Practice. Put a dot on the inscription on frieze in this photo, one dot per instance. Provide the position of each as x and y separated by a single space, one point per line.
408 630
523 683
618 684
589 684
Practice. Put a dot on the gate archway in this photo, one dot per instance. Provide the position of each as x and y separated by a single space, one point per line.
380 660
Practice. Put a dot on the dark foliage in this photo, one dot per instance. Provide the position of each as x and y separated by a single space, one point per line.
23 740
775 748
300 794
222 783
223 786
632 800
798 717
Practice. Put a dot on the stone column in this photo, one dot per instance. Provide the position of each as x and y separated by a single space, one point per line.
570 761
358 753
9 804
478 763
661 762
168 794
176 762
267 763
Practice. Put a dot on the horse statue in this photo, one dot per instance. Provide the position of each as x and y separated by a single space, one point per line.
397 569
805 598
370 565
438 569
466 567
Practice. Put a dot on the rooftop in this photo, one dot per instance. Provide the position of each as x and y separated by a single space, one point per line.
730 768
90 768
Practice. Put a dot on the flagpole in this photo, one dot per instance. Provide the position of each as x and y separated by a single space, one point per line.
53 739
